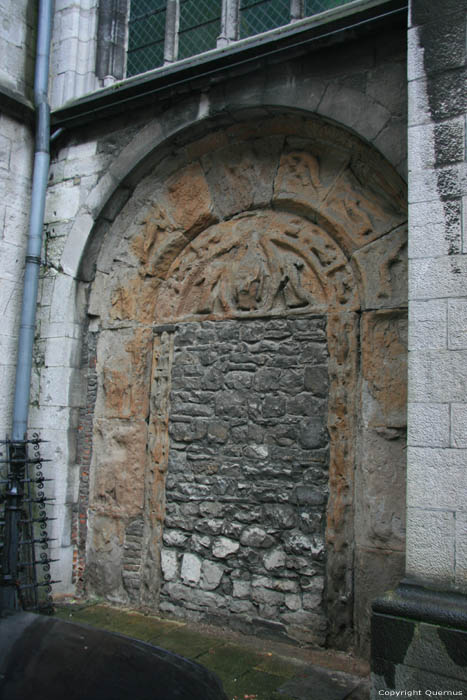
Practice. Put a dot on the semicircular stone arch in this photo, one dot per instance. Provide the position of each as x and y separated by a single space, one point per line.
248 328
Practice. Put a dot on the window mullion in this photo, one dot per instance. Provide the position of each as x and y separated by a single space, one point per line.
172 23
297 10
229 22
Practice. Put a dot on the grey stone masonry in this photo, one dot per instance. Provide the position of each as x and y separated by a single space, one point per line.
437 70
17 46
247 480
17 52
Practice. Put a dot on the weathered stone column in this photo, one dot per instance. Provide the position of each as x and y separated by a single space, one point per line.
420 631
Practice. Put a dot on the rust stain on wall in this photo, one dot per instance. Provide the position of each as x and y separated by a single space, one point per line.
118 482
189 198
125 372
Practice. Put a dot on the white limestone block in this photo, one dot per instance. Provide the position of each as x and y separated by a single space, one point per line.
437 277
169 564
430 545
457 324
418 108
459 425
436 478
62 202
212 575
415 64
437 376
191 569
461 551
224 546
428 325
428 425
421 151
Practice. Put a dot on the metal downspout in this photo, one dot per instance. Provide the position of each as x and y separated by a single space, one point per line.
17 446
36 224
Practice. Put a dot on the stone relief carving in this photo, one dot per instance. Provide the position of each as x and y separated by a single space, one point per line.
261 263
361 204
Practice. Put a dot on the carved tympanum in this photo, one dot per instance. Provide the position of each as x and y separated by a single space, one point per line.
260 263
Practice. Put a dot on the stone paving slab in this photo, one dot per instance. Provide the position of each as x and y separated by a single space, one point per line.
246 667
194 645
320 684
255 685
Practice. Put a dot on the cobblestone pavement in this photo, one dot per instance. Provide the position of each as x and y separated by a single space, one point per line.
250 668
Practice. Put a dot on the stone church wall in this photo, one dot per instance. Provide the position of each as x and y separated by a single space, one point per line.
17 36
192 251
219 154
419 629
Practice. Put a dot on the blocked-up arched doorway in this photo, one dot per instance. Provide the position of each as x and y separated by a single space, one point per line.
248 421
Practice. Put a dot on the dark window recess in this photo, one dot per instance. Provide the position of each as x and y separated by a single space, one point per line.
146 34
258 16
200 26
313 7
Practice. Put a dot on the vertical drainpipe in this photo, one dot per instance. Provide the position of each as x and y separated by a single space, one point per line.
36 224
17 448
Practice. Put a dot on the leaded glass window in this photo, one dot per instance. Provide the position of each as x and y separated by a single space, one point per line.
146 34
163 31
313 7
257 16
200 25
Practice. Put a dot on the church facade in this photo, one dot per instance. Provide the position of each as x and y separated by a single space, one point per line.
250 354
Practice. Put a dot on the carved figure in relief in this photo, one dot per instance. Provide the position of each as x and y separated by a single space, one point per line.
250 279
264 277
395 257
258 263
301 169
